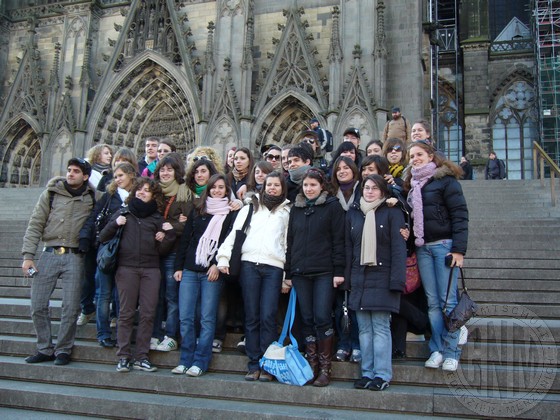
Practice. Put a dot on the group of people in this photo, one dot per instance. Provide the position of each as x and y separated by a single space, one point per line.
337 232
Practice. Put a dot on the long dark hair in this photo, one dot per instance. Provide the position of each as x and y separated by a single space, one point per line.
264 166
283 185
174 160
348 161
211 182
191 183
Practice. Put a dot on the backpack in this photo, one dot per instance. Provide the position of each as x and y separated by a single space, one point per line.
327 144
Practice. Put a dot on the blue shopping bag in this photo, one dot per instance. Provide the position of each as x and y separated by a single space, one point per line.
285 362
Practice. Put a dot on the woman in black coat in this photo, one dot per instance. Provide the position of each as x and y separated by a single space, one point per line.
376 266
315 263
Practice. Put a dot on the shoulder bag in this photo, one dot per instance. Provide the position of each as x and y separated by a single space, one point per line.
466 308
286 362
240 236
413 281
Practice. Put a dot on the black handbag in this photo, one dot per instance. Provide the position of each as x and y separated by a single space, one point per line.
345 322
107 256
103 217
240 236
466 308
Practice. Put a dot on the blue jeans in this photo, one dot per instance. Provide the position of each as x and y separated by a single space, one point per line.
106 284
195 291
315 296
375 343
260 286
435 275
171 296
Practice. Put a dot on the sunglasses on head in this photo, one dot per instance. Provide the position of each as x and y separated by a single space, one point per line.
204 157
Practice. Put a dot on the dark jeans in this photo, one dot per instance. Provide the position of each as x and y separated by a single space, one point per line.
412 316
106 283
315 295
89 285
260 286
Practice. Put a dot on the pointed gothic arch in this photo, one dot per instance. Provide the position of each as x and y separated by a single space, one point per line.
450 122
145 99
283 119
358 118
20 153
514 124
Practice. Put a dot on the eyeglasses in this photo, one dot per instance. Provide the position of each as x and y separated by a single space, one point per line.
310 141
273 157
396 148
201 157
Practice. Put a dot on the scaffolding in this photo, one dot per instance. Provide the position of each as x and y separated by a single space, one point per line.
546 26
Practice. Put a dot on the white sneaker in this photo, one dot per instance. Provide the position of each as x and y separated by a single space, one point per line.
83 319
463 335
168 344
154 342
217 346
179 370
194 371
435 360
450 365
415 337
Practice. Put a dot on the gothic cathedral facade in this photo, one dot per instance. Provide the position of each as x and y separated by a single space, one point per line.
237 73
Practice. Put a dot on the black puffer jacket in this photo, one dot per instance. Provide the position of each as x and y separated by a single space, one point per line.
445 210
376 288
315 237
88 231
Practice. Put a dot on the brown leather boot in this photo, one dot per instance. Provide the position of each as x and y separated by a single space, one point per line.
325 348
312 356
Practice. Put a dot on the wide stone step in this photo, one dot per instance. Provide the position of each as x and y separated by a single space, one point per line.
216 387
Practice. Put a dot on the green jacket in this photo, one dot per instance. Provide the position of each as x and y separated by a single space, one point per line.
59 224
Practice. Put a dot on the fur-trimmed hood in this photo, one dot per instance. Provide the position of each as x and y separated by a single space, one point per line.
301 201
443 171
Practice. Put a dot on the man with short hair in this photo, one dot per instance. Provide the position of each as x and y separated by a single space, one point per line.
352 134
495 168
397 127
299 162
56 220
311 138
325 136
151 149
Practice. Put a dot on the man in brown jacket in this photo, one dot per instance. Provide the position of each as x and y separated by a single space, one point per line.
397 127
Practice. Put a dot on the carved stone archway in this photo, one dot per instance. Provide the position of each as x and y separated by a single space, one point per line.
147 102
20 156
283 123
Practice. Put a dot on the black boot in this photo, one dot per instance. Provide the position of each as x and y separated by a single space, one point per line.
325 348
312 356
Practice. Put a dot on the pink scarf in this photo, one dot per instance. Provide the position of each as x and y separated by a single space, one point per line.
420 176
208 244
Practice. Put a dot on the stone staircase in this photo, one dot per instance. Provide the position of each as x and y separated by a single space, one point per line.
509 367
